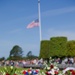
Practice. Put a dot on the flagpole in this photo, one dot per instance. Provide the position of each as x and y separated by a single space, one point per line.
39 20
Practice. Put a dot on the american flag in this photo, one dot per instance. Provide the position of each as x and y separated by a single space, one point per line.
34 23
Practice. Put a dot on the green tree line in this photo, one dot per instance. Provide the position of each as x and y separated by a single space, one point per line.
57 47
16 53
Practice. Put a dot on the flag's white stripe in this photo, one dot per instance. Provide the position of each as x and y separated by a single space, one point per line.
33 24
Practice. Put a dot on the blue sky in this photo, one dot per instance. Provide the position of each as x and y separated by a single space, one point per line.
57 19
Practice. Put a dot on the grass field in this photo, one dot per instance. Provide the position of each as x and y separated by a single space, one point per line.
16 70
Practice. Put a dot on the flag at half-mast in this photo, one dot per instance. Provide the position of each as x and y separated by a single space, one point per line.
33 24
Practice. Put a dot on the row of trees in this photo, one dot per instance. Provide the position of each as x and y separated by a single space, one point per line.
16 53
57 46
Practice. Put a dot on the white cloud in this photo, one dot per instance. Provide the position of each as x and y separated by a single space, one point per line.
44 14
54 12
15 31
53 33
58 11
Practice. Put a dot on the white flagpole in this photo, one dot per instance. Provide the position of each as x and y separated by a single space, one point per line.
39 19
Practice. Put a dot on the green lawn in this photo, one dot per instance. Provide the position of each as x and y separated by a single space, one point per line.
12 70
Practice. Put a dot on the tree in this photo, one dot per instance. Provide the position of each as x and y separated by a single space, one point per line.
71 48
58 46
30 55
3 58
16 52
44 49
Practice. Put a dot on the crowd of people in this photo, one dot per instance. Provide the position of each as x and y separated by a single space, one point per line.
66 60
23 63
